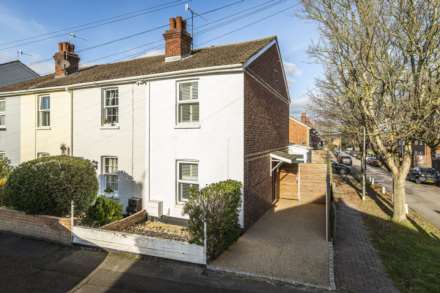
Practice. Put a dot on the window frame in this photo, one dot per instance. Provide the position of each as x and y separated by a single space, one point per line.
108 174
189 124
179 199
39 110
104 107
3 113
42 154
3 155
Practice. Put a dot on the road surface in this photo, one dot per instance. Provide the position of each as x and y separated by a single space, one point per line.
423 198
28 265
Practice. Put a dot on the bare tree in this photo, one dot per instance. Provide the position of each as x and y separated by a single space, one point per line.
382 72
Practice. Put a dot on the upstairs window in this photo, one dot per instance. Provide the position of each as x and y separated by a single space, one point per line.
2 113
110 107
188 103
44 111
109 170
187 178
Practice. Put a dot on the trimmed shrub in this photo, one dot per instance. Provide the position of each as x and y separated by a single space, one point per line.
5 170
104 211
220 203
47 186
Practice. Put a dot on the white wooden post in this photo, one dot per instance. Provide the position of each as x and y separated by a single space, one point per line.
205 241
72 218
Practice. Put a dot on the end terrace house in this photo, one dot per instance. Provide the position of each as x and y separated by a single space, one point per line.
159 125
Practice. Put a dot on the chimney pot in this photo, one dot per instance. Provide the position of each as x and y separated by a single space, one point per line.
172 23
179 25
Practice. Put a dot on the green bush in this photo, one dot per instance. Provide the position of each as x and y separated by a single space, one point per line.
5 170
220 203
104 211
48 185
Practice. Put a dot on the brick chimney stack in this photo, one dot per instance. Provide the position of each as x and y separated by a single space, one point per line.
304 118
66 60
177 40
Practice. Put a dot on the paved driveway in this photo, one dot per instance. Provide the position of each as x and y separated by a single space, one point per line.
423 198
28 265
288 243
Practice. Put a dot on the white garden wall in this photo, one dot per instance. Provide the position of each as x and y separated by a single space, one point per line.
139 244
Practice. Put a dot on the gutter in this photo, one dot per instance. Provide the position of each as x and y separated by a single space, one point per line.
165 75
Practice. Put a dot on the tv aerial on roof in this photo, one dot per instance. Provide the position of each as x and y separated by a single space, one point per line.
20 53
190 10
75 36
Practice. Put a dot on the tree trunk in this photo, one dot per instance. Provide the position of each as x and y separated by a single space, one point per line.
399 198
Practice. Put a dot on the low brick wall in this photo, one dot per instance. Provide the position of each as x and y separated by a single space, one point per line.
44 227
126 222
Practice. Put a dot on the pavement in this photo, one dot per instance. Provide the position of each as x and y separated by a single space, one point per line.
358 267
288 244
423 198
28 265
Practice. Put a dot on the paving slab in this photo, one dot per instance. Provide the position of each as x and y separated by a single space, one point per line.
287 244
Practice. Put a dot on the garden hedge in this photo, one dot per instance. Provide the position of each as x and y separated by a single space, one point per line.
220 204
48 185
103 211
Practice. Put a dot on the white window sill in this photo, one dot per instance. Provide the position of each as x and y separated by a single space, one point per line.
109 127
2 127
44 128
187 126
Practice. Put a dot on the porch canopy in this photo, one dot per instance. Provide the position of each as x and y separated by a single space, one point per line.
281 157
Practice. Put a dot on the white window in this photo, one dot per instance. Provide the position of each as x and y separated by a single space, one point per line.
42 154
43 111
188 103
2 155
187 178
110 107
109 170
2 113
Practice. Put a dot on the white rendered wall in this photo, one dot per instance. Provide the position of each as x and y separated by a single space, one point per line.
218 144
126 142
10 137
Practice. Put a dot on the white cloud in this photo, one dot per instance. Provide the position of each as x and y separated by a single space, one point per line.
292 70
152 53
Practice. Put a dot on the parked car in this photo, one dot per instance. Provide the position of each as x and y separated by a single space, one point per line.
423 175
373 161
344 159
340 168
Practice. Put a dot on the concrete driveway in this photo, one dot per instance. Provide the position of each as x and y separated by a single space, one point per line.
28 265
287 244
423 198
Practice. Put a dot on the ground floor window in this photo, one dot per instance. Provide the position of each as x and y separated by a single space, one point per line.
2 155
42 154
187 178
109 171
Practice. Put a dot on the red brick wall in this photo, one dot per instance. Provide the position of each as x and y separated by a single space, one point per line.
298 133
43 227
266 127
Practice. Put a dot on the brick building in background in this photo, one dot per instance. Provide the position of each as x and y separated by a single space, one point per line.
302 132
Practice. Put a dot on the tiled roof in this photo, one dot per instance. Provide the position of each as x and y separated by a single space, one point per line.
206 57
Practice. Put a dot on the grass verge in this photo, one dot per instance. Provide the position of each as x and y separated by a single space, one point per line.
410 251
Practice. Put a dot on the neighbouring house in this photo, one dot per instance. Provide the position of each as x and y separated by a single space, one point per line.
15 72
159 125
424 156
302 132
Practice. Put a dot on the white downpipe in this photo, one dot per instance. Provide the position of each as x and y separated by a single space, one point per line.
146 197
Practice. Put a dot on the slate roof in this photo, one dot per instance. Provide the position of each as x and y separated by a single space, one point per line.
15 72
237 53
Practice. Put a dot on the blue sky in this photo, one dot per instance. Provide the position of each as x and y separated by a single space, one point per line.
21 19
